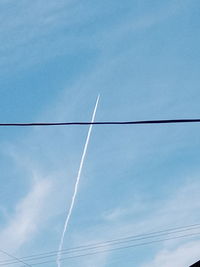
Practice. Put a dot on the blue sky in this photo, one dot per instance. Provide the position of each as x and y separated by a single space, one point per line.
143 58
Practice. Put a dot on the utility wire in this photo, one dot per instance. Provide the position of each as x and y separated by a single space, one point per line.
171 121
113 242
15 258
108 243
117 249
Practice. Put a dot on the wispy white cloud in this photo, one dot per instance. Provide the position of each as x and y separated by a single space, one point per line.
179 209
51 34
183 255
37 153
28 215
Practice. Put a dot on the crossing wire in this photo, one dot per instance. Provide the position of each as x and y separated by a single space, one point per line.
15 258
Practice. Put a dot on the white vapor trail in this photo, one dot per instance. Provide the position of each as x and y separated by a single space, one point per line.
76 186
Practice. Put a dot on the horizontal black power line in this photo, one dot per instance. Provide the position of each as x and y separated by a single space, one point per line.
106 244
31 124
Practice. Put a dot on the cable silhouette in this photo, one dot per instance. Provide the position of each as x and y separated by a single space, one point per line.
167 121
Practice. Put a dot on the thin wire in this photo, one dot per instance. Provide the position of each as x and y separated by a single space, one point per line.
170 121
119 248
109 243
13 257
115 241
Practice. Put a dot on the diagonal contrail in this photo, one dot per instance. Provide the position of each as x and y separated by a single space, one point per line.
76 185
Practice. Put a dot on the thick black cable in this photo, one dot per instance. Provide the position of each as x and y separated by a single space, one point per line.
119 248
171 121
104 244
